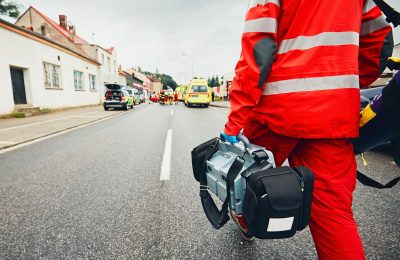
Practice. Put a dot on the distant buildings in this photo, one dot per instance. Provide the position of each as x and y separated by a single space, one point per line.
47 64
37 71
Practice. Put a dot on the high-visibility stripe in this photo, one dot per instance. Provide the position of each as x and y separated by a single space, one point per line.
373 25
322 39
254 3
369 5
260 25
311 84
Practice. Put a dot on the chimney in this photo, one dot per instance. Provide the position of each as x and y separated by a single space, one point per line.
72 32
63 21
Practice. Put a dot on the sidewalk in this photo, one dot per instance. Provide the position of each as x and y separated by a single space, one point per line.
223 104
15 131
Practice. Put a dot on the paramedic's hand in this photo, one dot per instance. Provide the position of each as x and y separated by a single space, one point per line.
228 138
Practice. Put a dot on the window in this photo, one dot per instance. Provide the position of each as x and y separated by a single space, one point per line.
109 64
43 29
78 80
115 66
52 75
199 89
102 59
92 82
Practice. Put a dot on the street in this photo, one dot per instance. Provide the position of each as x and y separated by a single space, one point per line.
96 193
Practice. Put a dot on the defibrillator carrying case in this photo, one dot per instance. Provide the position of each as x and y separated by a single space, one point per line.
275 202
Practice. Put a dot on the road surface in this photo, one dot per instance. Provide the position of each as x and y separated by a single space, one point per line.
114 189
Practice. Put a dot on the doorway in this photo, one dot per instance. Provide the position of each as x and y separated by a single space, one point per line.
18 85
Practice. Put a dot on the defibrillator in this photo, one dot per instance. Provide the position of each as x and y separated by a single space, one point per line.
274 201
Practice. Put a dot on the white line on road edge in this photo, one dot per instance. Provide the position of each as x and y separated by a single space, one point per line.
172 112
166 163
39 139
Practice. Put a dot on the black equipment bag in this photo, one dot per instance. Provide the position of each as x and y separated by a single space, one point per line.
201 154
277 202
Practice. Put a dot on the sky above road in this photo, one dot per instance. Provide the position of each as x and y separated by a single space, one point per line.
153 34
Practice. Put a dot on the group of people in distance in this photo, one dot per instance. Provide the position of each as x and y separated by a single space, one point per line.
168 97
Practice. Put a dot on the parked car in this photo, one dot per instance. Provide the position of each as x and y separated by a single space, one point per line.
134 94
142 98
154 98
198 93
367 95
117 97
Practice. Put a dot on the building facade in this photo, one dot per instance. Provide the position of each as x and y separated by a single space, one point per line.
39 72
108 64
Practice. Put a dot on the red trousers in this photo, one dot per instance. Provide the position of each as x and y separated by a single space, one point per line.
332 161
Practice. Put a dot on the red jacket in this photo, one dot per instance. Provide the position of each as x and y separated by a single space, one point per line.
323 52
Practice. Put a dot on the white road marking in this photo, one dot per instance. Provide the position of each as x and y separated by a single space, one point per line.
89 113
172 112
56 134
166 163
3 142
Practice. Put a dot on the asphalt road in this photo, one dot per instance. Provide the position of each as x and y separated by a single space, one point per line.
96 193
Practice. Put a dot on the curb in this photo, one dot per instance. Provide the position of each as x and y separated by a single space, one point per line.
219 105
4 149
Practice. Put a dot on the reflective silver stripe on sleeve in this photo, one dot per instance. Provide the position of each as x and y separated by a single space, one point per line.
322 39
369 5
254 3
311 84
373 25
262 25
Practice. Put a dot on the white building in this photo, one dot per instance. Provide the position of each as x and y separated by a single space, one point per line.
108 64
65 33
38 72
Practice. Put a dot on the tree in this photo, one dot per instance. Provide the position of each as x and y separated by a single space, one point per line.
217 81
168 81
10 9
212 82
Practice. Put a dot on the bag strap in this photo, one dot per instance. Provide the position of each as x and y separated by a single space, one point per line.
392 15
367 181
218 218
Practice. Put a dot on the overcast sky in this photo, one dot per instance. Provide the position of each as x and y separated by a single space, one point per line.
154 33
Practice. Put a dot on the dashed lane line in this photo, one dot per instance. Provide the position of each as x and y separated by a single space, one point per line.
166 162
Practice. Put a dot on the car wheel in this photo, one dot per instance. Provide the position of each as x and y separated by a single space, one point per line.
106 108
189 105
206 105
126 107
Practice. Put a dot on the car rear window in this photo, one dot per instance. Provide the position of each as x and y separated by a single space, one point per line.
199 89
110 93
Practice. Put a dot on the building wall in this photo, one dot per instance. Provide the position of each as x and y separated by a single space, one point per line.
108 73
156 86
22 52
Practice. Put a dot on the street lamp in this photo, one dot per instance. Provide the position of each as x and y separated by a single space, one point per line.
184 54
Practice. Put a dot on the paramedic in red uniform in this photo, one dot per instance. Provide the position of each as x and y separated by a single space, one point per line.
296 92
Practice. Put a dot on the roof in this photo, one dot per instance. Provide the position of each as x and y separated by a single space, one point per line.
77 39
42 39
154 78
123 73
110 50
